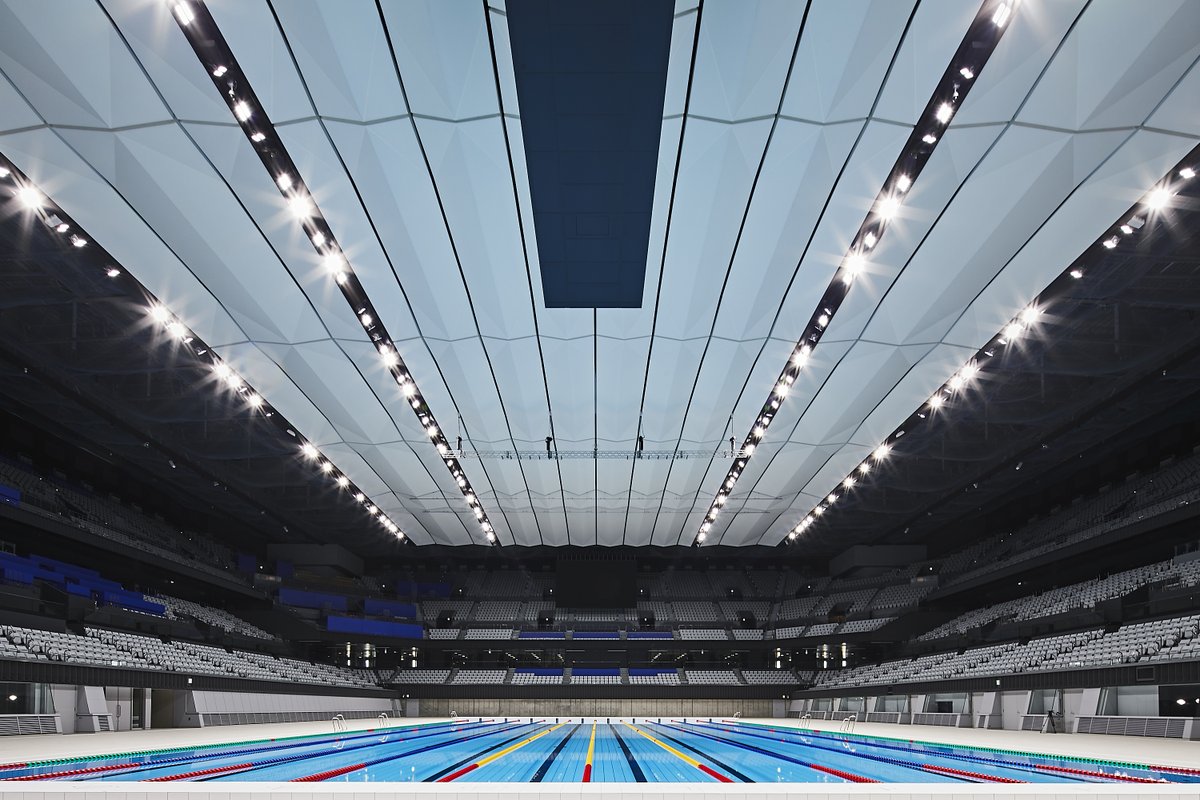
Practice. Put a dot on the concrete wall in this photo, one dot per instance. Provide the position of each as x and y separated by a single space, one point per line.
482 707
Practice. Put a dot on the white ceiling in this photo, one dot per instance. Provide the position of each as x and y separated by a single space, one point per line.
1083 106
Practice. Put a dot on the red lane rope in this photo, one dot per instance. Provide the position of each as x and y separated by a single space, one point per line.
70 772
587 773
715 774
849 776
183 776
457 773
962 773
324 776
1095 774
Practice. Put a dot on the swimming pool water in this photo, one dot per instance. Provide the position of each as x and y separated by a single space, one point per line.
615 751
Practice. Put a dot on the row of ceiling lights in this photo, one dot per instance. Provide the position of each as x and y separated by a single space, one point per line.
977 46
32 199
1157 200
211 48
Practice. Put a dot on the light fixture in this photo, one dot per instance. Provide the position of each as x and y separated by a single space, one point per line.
888 207
869 239
944 112
966 73
184 14
929 138
112 272
1012 330
326 467
365 319
78 241
309 450
283 181
903 182
1076 273
937 401
849 482
254 400
1002 14
241 110
257 137
1158 199
1187 173
219 71
31 198
1111 242
881 452
1030 314
300 206
161 315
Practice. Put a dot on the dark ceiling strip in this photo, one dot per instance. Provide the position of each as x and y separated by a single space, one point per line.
206 39
387 256
412 118
812 235
762 160
972 55
26 194
1151 206
687 102
899 274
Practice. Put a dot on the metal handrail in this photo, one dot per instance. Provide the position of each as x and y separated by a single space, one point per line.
848 723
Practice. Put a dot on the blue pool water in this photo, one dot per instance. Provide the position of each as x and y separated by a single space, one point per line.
613 751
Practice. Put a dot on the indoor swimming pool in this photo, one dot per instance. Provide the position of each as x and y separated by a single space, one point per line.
575 751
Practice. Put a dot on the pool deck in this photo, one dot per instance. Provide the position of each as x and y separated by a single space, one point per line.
1157 751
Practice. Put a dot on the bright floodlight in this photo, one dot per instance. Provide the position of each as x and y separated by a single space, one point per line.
326 467
1030 315
902 183
161 315
300 206
254 400
944 113
284 181
1002 14
882 452
1187 173
849 482
241 110
889 207
112 272
967 73
1012 330
929 138
936 401
184 13
1158 199
31 198
257 136
701 536
869 239
308 450
219 71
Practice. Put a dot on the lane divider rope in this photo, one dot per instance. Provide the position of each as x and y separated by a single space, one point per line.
686 758
483 762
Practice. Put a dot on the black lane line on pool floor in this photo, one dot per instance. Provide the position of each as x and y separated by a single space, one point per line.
294 759
706 756
151 766
378 761
545 767
1016 767
473 758
638 775
205 753
814 764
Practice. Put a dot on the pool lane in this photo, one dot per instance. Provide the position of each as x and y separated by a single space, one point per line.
746 765
393 759
610 764
154 764
882 761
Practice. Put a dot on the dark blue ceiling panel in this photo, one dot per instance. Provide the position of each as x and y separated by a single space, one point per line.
590 82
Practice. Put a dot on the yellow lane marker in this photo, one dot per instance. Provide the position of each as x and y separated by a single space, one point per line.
686 758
